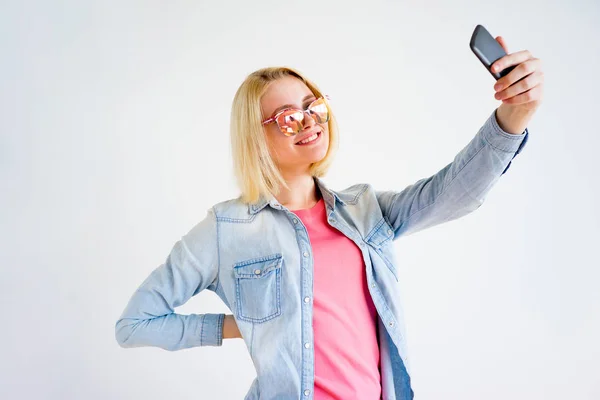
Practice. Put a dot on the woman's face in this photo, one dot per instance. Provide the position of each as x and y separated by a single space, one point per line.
285 150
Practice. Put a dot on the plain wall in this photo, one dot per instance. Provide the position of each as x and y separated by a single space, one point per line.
114 141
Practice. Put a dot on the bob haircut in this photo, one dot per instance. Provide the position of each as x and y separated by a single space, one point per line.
255 171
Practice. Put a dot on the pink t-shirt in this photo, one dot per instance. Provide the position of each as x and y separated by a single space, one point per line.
347 364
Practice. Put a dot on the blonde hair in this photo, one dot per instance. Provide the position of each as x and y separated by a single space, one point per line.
255 171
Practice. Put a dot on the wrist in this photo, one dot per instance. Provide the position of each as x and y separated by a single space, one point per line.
513 119
230 330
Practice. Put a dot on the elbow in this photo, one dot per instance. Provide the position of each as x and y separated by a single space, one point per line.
124 329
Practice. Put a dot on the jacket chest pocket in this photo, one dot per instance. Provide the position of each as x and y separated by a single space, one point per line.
258 288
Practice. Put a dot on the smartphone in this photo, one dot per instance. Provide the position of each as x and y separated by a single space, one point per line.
488 50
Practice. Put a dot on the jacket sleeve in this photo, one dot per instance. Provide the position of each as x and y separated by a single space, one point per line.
457 189
191 266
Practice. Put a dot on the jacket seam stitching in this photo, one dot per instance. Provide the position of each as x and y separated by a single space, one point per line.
448 185
202 328
218 249
355 198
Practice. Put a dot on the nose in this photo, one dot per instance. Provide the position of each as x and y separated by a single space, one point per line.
308 121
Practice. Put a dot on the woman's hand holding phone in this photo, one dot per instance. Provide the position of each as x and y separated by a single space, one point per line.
521 90
523 86
519 79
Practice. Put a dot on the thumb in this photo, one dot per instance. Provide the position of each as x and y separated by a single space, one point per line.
500 40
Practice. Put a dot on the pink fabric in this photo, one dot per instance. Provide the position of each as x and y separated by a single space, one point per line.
347 364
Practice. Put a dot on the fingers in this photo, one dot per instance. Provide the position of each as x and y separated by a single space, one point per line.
533 95
524 83
523 70
511 59
529 82
502 42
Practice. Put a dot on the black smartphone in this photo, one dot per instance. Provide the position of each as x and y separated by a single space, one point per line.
488 50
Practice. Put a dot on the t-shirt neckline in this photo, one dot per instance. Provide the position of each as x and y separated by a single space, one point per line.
310 211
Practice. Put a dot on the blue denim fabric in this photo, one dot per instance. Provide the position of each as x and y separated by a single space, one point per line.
258 259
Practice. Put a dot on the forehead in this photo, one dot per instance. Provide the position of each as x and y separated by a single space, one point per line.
287 90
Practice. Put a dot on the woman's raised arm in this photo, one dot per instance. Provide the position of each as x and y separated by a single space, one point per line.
457 189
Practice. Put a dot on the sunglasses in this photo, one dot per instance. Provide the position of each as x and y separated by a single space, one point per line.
291 120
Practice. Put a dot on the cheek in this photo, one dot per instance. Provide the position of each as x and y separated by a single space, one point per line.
274 139
326 137
280 147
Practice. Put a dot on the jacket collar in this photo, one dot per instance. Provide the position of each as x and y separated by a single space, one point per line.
329 196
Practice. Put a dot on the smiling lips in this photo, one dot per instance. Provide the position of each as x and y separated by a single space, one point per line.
312 138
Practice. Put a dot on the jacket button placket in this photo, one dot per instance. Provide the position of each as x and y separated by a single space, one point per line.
307 334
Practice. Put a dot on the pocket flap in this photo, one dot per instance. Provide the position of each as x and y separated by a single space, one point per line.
257 267
381 233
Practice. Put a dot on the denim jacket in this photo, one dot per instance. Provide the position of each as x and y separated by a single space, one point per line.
258 259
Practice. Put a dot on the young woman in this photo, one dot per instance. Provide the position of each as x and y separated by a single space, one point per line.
310 273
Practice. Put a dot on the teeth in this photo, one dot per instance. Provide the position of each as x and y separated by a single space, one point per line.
309 139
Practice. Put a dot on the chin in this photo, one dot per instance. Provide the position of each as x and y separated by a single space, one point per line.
320 155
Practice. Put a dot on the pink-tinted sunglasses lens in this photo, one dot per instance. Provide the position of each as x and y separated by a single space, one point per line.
291 121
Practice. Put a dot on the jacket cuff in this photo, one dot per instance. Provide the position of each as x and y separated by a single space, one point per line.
211 329
500 139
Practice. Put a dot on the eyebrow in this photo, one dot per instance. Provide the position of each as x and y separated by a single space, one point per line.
291 105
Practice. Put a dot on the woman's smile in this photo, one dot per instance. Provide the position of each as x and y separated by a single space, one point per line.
311 140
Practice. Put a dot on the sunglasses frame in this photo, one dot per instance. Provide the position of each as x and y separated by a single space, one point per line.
274 117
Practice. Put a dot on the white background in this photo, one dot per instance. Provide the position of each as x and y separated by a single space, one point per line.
114 123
